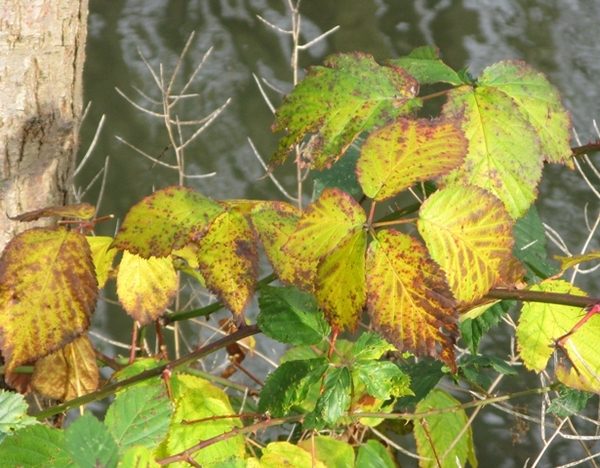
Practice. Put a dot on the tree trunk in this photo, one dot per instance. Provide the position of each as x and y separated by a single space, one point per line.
42 50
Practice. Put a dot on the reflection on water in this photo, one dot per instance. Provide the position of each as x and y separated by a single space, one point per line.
557 37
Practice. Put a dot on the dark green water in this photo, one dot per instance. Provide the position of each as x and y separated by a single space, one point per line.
559 38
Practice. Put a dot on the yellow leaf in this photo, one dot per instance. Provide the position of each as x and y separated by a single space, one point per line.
408 298
103 257
69 372
48 293
228 260
469 234
145 287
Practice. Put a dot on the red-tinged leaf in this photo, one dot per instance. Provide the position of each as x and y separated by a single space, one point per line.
538 101
69 372
469 234
325 224
336 102
275 222
103 256
340 287
408 299
48 290
166 221
146 287
228 260
76 211
504 154
405 152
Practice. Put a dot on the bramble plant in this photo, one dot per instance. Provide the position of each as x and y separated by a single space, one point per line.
423 275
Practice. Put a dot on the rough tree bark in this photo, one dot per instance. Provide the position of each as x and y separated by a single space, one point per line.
42 50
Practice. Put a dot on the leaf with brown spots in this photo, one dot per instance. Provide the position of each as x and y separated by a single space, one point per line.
76 211
351 93
48 293
469 234
166 221
69 372
228 260
146 287
408 298
405 152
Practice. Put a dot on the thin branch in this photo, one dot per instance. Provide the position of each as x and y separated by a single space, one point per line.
151 158
269 173
92 146
264 95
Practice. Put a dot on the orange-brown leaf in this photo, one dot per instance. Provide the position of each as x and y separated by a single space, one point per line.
69 372
48 293
408 298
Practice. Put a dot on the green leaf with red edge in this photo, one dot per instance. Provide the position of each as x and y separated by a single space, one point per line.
76 211
146 287
408 299
469 234
166 221
351 93
48 289
340 287
504 154
425 65
228 260
405 152
275 222
538 101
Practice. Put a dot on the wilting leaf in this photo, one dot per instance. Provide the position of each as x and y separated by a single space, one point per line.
469 234
228 260
336 102
504 155
145 287
405 152
275 222
48 290
570 262
408 298
69 372
166 221
425 65
538 101
103 256
77 211
442 429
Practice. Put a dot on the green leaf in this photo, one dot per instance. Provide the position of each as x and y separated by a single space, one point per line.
530 246
425 65
382 380
90 444
139 416
333 453
166 221
289 384
370 346
48 289
374 455
408 298
291 316
569 402
339 100
472 330
442 429
13 413
424 377
342 175
404 152
469 234
472 368
36 446
138 456
333 402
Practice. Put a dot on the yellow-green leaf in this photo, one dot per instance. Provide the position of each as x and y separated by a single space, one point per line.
287 455
442 430
340 287
145 287
166 221
48 293
405 152
76 211
275 222
228 260
469 234
103 256
69 372
570 262
540 324
408 299
504 155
